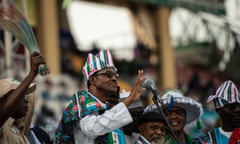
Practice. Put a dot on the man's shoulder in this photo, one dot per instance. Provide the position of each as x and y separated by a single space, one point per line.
81 93
207 138
8 123
83 96
203 139
9 129
141 140
76 96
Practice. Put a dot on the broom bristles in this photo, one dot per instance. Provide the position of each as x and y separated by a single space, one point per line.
12 20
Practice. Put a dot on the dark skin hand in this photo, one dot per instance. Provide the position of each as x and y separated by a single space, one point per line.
8 106
136 90
134 95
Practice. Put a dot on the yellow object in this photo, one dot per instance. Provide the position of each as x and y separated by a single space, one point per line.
30 13
65 3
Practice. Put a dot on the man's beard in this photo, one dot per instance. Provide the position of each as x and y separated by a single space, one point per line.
113 97
157 139
157 142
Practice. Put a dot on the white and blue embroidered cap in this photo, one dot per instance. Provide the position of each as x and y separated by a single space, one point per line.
174 97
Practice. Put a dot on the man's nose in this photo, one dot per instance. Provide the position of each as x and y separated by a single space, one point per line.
25 99
173 115
160 131
114 78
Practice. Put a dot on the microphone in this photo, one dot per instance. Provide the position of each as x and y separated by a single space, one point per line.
149 84
146 97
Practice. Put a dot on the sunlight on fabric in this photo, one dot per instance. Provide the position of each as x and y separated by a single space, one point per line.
108 27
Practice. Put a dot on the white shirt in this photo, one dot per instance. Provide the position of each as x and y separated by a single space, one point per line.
131 139
91 126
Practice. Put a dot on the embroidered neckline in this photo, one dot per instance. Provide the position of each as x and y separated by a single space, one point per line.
227 134
101 103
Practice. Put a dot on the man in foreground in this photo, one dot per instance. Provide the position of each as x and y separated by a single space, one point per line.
151 127
93 116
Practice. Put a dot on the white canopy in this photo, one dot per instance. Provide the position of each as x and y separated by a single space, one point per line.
109 27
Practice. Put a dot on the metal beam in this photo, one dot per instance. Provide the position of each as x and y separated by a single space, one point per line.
216 8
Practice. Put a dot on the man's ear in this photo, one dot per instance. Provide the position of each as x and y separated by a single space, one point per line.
141 128
92 80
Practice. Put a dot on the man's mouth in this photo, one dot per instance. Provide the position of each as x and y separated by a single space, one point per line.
113 84
175 123
25 108
156 138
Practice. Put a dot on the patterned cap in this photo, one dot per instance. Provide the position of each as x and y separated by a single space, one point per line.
227 93
95 63
175 98
193 108
9 84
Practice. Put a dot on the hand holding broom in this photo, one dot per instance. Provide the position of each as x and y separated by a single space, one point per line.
13 21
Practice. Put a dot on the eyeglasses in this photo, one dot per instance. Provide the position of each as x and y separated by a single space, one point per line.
109 74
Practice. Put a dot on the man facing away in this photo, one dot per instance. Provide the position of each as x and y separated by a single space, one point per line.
92 116
16 108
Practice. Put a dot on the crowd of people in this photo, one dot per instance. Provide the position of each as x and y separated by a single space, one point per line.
96 115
